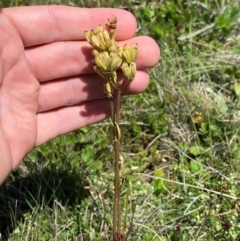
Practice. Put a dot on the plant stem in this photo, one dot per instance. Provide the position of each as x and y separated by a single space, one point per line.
117 188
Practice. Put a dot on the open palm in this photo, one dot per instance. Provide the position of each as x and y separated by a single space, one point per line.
47 83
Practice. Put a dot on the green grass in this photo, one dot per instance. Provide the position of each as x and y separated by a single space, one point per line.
181 146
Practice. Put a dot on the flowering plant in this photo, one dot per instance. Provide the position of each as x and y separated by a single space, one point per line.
108 58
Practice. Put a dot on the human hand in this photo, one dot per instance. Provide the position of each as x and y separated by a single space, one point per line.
47 83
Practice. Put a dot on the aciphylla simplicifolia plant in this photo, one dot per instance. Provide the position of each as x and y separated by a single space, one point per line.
108 59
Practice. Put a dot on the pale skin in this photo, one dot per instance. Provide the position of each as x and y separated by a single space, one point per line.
47 83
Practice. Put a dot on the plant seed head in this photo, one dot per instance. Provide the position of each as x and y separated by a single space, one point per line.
101 60
94 41
129 70
95 53
129 54
114 62
112 22
88 35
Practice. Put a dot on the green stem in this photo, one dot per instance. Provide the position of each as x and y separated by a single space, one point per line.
117 188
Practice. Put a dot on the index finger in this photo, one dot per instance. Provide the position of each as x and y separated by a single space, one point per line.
45 24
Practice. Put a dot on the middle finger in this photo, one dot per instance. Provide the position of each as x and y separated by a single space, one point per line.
64 59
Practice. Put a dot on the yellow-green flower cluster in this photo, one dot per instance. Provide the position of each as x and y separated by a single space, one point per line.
129 55
109 57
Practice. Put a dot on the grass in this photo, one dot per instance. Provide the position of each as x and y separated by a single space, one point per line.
180 151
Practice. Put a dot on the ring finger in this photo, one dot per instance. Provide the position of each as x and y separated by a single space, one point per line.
73 90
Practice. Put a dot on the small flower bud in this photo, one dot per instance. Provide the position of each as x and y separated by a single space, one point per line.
88 35
98 29
108 90
134 51
112 22
109 76
94 41
129 54
105 35
99 72
114 62
113 47
95 53
129 70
